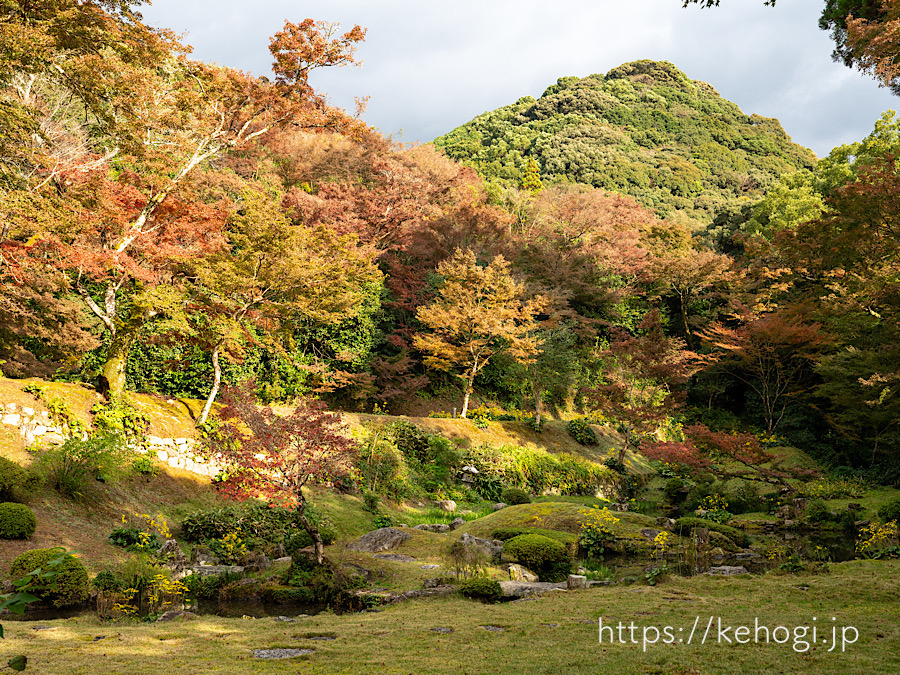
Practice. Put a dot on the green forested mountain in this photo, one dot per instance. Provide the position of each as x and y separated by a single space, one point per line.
644 129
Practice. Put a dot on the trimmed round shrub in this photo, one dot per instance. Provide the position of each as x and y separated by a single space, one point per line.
514 496
890 511
685 524
17 521
581 431
542 555
481 588
69 585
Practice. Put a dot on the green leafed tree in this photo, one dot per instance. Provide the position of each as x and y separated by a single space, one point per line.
478 312
275 273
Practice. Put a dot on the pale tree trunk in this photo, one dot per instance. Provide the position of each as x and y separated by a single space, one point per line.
470 385
536 389
217 381
312 530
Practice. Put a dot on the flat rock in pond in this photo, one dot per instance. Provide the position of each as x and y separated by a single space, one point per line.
727 570
384 539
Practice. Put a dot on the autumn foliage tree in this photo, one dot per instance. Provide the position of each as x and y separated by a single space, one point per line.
168 117
274 273
274 457
478 312
643 378
727 455
772 355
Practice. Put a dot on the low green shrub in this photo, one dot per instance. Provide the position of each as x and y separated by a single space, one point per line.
16 482
817 511
544 556
71 468
745 499
890 511
412 440
684 525
145 466
17 521
481 588
381 521
134 540
674 491
106 581
70 585
567 539
259 526
118 417
581 432
514 496
539 471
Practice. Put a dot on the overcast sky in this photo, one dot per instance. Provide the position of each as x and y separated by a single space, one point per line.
430 66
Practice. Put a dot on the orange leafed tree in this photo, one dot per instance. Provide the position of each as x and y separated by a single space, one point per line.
478 312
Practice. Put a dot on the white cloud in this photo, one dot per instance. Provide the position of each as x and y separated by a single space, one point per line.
431 66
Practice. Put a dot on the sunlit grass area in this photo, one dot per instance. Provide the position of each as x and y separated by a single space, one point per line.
556 633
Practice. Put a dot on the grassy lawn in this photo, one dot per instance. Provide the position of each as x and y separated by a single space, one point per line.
557 633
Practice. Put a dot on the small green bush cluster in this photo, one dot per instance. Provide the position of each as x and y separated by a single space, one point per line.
544 556
538 471
481 588
817 511
16 482
134 539
401 460
514 496
69 586
674 491
17 521
581 432
119 417
890 511
72 468
260 527
684 525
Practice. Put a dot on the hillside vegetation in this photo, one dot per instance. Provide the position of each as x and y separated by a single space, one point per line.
644 129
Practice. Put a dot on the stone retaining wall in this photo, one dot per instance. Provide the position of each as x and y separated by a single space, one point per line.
36 426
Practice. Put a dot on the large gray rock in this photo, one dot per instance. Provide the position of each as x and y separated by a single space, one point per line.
728 570
519 573
576 581
498 506
171 551
456 523
384 539
447 505
491 549
523 589
433 527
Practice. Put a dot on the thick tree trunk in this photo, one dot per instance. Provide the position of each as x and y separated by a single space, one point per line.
312 530
536 389
217 381
465 405
117 356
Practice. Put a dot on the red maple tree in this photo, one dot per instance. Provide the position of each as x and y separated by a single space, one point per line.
274 456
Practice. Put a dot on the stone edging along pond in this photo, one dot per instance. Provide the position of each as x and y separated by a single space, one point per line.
37 426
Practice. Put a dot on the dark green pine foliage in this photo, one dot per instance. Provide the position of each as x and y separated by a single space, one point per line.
643 129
